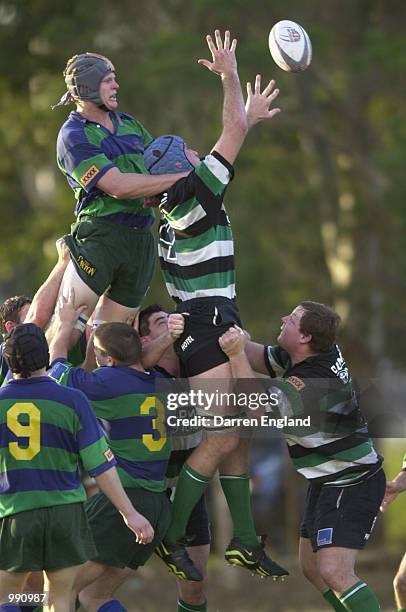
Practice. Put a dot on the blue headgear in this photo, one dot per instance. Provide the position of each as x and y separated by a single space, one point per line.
166 155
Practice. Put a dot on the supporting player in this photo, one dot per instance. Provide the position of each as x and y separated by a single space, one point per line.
196 256
46 430
21 309
153 321
100 152
123 397
393 488
336 455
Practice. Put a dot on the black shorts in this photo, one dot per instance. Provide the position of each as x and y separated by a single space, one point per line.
342 516
209 317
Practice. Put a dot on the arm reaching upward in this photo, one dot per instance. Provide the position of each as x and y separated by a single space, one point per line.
235 124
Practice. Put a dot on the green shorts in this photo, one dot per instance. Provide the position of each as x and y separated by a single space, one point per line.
45 539
113 259
115 543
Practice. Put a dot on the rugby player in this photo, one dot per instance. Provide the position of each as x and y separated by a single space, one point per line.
45 431
196 256
100 153
122 394
393 488
335 454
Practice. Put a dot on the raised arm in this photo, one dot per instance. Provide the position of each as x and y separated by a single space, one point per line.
235 125
43 304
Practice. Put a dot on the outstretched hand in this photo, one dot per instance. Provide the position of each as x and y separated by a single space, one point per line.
223 54
258 103
66 312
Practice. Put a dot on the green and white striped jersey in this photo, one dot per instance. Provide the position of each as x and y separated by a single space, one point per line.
336 448
196 249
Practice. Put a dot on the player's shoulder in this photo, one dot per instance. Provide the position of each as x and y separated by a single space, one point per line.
72 132
218 166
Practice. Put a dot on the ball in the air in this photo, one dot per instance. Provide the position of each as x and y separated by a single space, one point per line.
290 46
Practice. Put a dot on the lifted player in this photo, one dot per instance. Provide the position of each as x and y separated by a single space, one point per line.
100 152
197 259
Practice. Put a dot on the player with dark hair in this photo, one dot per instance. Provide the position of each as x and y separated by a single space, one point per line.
196 253
100 152
45 431
335 453
152 321
393 488
124 399
21 309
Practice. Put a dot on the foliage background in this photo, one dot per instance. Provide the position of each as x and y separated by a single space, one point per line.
317 205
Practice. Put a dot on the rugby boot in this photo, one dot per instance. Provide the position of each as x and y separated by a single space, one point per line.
178 562
254 559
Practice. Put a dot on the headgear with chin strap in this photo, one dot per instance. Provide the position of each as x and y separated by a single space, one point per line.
83 75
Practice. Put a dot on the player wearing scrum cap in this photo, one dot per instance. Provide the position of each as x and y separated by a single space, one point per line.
197 259
46 430
100 152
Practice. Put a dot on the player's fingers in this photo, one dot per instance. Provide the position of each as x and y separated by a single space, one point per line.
249 89
211 44
219 42
273 95
204 62
273 112
233 45
258 84
269 87
227 40
71 295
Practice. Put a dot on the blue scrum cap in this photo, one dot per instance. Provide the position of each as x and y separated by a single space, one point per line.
166 155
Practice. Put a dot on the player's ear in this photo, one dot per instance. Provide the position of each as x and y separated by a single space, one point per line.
305 338
9 326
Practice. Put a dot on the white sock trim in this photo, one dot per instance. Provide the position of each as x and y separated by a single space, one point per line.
354 590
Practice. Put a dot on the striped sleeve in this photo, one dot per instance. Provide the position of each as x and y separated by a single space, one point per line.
82 160
94 451
404 463
276 360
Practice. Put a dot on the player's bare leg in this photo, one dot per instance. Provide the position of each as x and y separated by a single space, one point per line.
309 566
399 585
101 590
59 586
11 582
194 593
336 568
107 310
82 295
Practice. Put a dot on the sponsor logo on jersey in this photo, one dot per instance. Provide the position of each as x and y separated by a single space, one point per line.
296 382
187 343
86 266
325 536
58 370
89 175
109 454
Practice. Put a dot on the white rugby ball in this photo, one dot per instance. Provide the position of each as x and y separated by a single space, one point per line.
290 46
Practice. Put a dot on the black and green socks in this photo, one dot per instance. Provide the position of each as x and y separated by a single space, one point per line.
237 492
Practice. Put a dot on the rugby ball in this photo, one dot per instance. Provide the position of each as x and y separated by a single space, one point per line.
290 46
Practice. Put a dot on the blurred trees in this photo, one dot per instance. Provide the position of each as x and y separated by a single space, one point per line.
317 202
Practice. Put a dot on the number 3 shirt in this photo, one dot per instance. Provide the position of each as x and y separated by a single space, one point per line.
44 430
131 416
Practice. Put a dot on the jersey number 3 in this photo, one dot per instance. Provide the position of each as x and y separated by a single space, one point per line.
30 431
